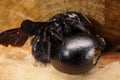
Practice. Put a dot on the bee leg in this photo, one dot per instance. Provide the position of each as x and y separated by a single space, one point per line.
79 21
41 49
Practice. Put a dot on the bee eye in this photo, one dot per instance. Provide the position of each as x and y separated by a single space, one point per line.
78 54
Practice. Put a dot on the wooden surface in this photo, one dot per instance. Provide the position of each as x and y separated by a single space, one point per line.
107 58
19 64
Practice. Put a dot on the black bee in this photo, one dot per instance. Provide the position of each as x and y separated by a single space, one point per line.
64 41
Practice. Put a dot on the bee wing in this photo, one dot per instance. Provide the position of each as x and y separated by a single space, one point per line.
14 37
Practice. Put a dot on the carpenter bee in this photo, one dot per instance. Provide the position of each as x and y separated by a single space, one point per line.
64 41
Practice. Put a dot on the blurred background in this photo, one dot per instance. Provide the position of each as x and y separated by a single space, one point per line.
104 13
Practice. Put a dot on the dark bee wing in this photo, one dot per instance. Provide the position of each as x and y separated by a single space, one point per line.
14 37
18 36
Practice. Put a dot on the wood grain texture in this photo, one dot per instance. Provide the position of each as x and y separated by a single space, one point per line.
19 64
13 12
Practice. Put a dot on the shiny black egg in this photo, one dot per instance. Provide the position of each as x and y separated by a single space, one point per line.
77 54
